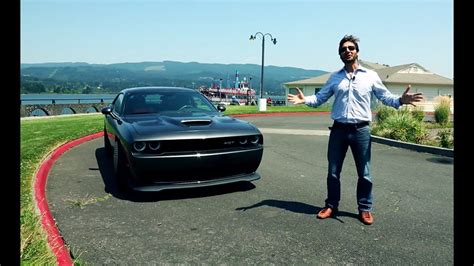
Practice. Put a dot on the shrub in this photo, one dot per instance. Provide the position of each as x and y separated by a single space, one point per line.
445 138
441 115
401 126
443 100
442 109
418 113
383 112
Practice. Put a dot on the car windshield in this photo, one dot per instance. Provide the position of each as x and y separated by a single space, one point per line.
167 102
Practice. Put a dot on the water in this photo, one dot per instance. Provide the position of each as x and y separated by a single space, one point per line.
47 98
27 99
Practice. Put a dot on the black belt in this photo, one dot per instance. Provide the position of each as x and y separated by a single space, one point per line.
350 125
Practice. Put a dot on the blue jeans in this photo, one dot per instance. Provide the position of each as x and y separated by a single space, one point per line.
359 141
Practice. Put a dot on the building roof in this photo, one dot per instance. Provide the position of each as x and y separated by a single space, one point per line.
316 80
411 73
371 65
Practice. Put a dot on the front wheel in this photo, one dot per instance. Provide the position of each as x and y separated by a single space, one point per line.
107 146
121 170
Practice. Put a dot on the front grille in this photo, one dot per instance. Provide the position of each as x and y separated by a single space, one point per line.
205 145
187 146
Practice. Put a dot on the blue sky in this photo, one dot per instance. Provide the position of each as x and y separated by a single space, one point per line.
391 32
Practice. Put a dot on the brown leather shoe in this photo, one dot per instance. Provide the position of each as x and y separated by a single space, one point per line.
366 217
325 213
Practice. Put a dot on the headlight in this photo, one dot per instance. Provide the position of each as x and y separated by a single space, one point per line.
254 139
139 146
243 141
154 145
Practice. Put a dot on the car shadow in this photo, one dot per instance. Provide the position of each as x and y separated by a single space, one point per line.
106 171
297 207
442 160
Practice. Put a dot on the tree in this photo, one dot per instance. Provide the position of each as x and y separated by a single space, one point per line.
32 87
87 90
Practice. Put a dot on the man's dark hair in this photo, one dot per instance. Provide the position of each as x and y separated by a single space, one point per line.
349 38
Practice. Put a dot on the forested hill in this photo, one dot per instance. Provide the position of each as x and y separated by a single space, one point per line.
110 78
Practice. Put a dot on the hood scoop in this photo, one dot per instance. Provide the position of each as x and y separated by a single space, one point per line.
196 122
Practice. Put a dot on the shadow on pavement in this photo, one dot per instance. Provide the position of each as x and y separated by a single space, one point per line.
345 214
106 171
442 160
292 206
296 207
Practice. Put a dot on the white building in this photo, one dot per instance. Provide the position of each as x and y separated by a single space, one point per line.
395 78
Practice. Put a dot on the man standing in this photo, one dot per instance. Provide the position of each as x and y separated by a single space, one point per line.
352 87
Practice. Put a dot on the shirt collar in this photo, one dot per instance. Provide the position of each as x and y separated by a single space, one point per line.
359 68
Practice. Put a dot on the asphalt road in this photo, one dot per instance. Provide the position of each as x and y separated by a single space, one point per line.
269 221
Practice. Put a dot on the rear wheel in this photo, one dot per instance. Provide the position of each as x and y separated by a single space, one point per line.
121 170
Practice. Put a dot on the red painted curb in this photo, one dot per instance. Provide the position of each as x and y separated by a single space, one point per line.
55 240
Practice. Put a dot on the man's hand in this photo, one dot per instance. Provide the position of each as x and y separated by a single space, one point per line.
410 98
296 99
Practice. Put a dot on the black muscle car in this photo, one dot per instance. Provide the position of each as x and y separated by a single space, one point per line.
169 137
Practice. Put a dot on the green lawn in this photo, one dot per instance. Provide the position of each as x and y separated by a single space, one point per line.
38 138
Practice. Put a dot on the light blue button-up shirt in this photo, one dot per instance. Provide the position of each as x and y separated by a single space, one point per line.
352 95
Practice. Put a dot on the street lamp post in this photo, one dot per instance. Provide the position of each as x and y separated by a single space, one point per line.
249 95
253 37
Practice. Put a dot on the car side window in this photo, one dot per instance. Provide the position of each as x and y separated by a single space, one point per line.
117 104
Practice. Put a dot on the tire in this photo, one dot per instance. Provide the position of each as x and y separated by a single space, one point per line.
107 145
121 170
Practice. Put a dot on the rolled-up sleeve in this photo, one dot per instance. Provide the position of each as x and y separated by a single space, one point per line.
321 96
383 94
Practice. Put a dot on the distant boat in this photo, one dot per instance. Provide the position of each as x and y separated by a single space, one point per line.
241 91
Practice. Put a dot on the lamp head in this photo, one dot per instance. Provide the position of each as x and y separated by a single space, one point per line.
274 40
252 37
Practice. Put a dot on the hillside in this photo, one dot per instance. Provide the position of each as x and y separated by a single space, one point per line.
111 78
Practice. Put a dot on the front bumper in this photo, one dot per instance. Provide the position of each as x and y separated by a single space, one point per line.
155 173
158 186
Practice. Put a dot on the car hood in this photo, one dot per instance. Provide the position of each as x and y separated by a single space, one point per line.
185 127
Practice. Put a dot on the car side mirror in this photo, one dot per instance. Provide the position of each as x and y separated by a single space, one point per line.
221 107
106 110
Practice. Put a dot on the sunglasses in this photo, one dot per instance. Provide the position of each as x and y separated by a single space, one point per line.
343 49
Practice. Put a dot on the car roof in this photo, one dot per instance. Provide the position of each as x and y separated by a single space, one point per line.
157 89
